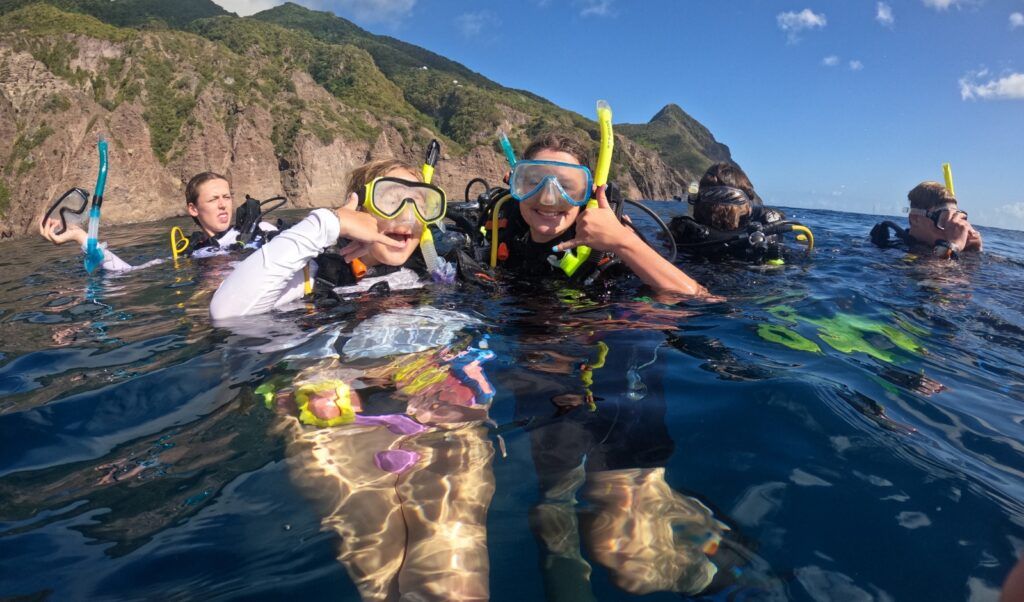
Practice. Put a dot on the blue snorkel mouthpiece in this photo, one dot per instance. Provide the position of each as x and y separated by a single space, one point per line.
93 252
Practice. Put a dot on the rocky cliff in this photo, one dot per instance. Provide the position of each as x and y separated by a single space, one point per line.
286 102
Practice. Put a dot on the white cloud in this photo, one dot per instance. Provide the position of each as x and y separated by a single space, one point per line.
943 4
471 25
595 8
856 65
1016 20
830 60
793 23
1014 210
380 11
883 14
1009 216
1008 87
245 8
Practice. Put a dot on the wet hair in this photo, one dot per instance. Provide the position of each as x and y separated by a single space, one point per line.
721 216
557 141
192 188
366 173
929 194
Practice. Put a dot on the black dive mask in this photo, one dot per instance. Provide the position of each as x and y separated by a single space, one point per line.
722 195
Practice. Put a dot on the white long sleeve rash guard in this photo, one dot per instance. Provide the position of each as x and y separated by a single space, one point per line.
274 275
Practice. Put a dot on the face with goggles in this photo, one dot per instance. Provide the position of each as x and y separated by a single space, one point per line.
402 206
945 222
551 187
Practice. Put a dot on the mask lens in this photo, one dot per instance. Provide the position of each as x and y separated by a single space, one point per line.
572 182
69 209
390 196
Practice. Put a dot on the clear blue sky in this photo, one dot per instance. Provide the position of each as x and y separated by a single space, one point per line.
834 104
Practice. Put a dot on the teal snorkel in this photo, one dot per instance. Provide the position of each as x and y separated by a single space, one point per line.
506 147
93 252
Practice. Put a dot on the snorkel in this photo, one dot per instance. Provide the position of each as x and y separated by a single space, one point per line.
438 268
571 261
93 252
506 147
947 173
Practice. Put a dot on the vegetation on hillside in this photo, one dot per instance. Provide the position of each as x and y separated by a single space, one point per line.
171 52
680 140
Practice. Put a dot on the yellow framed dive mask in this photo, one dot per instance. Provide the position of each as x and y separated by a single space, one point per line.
387 198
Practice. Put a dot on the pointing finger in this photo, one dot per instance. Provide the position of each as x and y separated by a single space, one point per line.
565 246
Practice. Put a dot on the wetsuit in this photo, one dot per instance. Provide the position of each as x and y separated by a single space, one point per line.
530 260
701 240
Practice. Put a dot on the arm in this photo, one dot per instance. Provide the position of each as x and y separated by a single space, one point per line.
111 262
272 276
656 271
267 277
598 228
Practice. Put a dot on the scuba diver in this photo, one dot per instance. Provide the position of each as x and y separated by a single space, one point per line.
936 223
207 199
561 207
730 220
386 217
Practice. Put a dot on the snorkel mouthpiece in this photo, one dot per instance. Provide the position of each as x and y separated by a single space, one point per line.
93 253
436 266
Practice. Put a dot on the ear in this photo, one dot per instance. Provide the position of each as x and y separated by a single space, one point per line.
192 209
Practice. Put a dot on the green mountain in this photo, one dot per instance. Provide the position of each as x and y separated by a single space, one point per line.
285 101
132 13
680 139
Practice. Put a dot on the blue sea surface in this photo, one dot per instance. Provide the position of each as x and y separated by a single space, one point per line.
849 426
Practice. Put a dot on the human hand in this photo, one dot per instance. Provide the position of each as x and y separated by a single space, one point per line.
973 240
48 229
956 230
361 228
598 228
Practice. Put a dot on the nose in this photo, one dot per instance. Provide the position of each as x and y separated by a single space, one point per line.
407 216
549 195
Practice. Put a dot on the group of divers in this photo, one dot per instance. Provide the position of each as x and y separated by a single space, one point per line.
554 221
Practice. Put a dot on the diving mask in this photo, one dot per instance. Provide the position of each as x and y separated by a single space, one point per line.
387 198
935 213
69 209
722 195
553 180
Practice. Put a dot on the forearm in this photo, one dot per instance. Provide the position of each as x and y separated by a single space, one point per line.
111 262
656 271
268 275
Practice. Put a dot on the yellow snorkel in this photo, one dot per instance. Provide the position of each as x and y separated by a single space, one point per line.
571 261
427 239
947 173
179 243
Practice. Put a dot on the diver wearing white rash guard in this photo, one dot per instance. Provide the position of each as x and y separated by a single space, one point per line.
273 276
216 245
283 271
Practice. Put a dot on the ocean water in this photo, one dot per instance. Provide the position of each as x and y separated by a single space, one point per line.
847 427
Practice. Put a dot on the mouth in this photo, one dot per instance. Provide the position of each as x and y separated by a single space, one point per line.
549 213
402 236
223 217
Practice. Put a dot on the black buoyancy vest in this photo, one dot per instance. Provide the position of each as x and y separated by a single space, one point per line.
698 239
536 260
